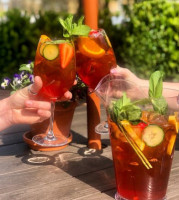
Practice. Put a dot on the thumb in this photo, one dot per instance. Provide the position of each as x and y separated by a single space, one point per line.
37 85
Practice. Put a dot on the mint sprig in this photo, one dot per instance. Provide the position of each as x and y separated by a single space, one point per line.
71 28
155 92
124 109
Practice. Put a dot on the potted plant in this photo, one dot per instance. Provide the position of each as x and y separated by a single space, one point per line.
64 111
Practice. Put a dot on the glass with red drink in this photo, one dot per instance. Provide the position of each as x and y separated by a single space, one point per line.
55 64
143 124
94 57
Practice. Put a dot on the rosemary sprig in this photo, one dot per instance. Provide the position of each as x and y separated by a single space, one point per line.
134 146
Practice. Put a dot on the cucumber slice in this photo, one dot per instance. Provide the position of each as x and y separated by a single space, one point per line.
153 135
51 51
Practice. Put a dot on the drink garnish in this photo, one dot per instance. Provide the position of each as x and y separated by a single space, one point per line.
133 134
44 38
50 51
66 54
90 48
71 29
134 146
42 41
153 135
125 110
101 39
155 92
172 120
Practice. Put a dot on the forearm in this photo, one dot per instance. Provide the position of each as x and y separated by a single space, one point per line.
170 85
5 114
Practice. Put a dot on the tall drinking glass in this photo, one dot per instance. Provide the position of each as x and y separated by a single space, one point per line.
143 146
55 64
94 59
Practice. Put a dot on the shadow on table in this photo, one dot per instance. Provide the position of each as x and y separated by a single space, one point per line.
89 166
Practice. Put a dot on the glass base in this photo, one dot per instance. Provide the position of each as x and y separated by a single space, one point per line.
118 197
102 128
42 140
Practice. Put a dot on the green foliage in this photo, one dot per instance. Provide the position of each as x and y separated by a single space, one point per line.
146 42
19 37
16 39
149 40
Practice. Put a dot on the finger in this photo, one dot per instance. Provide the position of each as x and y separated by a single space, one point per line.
119 72
67 96
116 70
37 85
44 113
38 104
75 82
30 116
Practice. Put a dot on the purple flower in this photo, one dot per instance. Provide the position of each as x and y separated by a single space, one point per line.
23 75
16 79
5 83
31 78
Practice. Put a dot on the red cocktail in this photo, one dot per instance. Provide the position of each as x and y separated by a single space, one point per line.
143 125
55 64
134 181
94 57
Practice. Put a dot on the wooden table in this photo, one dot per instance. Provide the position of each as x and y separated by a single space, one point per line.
68 174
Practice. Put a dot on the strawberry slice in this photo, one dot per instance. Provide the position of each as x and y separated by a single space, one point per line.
66 54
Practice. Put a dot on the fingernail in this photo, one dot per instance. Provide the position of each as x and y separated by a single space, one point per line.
113 71
28 103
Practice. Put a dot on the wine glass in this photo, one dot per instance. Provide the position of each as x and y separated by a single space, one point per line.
94 59
55 64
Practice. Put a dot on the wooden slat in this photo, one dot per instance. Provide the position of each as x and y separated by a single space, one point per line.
69 174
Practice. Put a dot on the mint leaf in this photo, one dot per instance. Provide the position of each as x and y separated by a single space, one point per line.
74 29
124 109
155 92
156 84
133 113
63 23
80 21
81 30
160 105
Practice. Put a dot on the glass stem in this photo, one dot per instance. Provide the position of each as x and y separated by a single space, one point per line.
50 134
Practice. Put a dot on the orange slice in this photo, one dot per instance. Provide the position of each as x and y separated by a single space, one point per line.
171 144
88 47
43 38
172 120
133 135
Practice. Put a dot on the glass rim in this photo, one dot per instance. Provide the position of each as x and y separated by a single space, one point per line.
110 77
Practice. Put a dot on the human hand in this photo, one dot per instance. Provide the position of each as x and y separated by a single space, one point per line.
27 107
126 74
